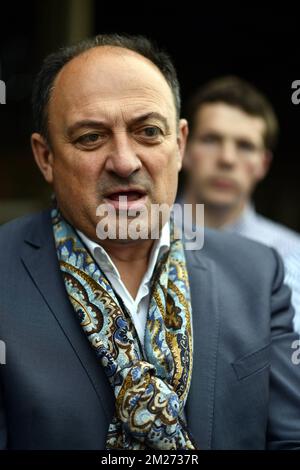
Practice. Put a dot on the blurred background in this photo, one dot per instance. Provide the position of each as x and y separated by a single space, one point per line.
257 45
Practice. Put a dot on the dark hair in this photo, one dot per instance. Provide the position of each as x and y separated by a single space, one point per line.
56 61
238 93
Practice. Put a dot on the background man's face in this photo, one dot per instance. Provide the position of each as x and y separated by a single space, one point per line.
113 127
225 157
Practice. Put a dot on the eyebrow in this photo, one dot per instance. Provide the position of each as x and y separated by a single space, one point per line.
220 135
95 123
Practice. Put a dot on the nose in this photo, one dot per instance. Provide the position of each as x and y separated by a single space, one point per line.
227 154
122 159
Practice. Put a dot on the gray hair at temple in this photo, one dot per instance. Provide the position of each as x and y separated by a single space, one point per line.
54 62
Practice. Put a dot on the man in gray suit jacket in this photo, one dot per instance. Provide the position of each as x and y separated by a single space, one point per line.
134 343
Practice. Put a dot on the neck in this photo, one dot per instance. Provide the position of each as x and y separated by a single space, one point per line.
216 216
131 261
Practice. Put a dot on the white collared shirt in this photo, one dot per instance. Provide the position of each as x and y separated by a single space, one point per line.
138 307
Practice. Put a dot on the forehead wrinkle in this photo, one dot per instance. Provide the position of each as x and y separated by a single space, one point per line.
115 113
128 97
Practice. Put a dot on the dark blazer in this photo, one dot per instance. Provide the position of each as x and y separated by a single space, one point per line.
245 391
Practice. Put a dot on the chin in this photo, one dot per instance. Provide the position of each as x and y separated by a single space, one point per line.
218 203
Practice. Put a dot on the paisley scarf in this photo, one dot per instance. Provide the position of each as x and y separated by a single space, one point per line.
150 386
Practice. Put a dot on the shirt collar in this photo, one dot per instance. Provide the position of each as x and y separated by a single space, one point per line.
248 216
160 246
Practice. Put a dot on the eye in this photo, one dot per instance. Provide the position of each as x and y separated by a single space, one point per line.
89 140
151 131
210 139
246 146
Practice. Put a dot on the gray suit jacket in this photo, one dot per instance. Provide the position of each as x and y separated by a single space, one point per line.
245 391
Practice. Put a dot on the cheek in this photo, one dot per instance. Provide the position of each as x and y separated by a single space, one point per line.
163 170
250 173
74 167
250 169
201 157
75 180
201 164
161 164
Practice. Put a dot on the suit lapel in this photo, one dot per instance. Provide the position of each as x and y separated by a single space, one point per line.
39 257
200 403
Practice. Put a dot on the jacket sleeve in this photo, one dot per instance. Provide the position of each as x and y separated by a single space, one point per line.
284 406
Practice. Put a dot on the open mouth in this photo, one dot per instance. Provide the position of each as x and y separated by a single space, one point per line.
126 199
130 195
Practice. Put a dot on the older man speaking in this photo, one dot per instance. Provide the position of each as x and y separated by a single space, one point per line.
134 342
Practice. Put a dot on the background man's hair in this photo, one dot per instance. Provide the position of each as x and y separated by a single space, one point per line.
238 93
54 62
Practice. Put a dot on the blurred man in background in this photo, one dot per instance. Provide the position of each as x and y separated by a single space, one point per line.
233 131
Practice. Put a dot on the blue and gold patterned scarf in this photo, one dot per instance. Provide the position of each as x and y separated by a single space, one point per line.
150 387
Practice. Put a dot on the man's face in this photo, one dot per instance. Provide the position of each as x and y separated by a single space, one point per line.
113 132
226 156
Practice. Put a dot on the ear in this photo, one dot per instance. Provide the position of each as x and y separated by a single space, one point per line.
43 156
267 157
183 131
